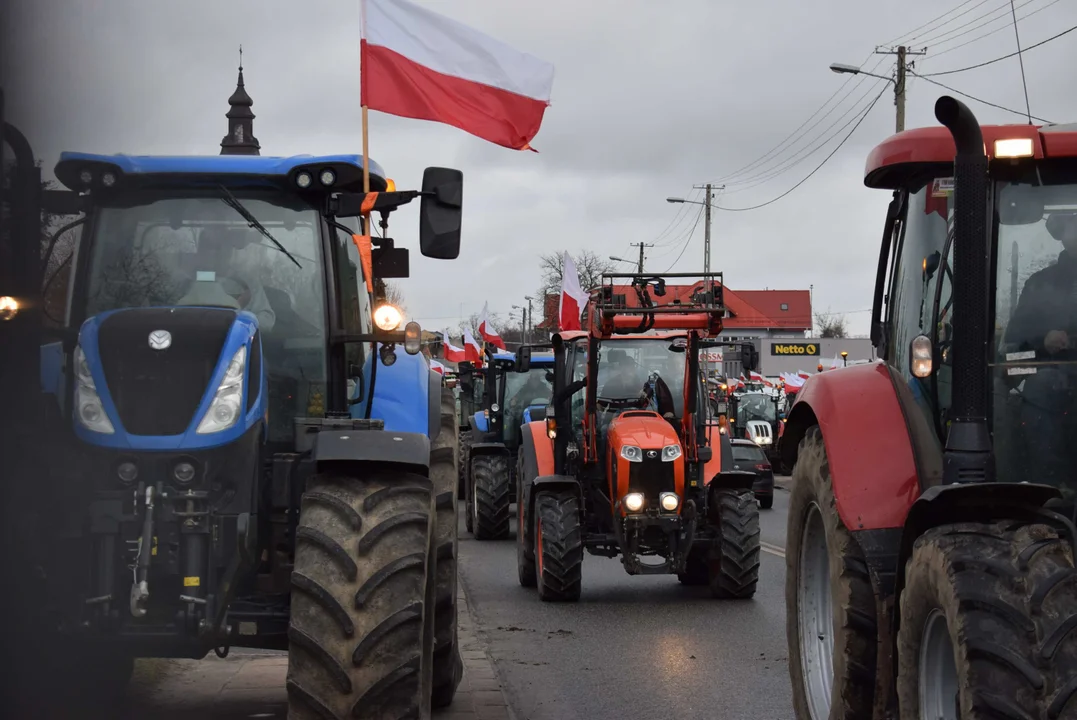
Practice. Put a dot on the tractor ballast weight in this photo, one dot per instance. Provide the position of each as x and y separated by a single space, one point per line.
916 490
249 458
494 441
605 474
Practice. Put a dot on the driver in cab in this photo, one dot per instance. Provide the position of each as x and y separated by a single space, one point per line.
1045 322
625 381
220 281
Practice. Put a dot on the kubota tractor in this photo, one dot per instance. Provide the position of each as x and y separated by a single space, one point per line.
626 464
243 456
494 439
930 547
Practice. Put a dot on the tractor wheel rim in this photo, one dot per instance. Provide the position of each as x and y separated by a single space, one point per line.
815 615
938 680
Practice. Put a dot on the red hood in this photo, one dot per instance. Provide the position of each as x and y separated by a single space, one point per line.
644 429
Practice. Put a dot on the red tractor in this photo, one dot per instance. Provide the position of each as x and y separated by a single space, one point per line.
930 547
626 463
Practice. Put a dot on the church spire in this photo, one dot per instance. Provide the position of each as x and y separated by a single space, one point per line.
240 139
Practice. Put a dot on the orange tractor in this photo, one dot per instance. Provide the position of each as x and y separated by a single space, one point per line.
930 542
625 463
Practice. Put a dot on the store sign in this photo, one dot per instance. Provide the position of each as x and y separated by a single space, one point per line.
794 349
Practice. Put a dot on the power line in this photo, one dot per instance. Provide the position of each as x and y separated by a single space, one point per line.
909 36
1001 8
980 100
817 167
678 218
687 240
1000 59
936 54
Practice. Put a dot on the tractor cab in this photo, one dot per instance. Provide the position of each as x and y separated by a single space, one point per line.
628 452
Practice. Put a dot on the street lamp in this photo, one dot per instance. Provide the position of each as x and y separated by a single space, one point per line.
845 358
843 69
530 318
707 205
898 81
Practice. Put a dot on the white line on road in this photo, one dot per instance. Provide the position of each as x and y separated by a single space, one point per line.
772 549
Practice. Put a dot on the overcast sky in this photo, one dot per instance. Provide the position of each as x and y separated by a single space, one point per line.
649 99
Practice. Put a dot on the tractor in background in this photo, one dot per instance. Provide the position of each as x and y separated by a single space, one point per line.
510 391
241 455
625 463
930 546
469 394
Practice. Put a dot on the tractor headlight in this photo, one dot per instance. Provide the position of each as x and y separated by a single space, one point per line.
670 501
413 338
633 501
226 407
671 453
387 317
494 407
631 453
763 440
303 180
88 407
327 177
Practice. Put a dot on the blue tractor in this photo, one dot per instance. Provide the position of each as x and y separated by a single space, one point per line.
510 398
244 456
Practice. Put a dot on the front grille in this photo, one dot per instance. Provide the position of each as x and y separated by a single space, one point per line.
651 477
156 392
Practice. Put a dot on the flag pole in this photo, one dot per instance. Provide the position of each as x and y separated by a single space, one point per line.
363 106
366 156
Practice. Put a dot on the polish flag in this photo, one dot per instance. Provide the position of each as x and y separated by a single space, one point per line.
472 348
487 330
803 374
573 297
449 351
419 64
437 367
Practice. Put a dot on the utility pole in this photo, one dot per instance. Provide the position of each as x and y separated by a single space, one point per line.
640 245
903 65
707 232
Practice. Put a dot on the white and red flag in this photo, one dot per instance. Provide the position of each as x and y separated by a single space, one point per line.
487 330
472 347
419 64
803 374
573 297
449 351
437 367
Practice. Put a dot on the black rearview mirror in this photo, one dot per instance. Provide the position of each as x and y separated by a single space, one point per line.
523 359
441 213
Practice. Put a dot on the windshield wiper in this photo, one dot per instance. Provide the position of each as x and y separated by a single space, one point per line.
230 200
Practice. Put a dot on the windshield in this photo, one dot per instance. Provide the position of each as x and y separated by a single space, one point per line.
748 454
650 371
177 248
534 387
756 407
1035 373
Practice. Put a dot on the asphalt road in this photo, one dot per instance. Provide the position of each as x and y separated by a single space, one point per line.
634 647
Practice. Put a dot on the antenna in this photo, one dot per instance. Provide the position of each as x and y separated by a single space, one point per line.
1021 59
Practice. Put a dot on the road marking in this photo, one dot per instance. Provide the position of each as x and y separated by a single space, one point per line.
772 549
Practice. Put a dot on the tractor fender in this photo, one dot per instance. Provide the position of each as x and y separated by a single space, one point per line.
868 443
721 453
732 480
403 398
378 446
480 422
487 448
536 453
433 408
972 502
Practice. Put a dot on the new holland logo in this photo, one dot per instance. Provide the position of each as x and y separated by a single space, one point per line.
160 339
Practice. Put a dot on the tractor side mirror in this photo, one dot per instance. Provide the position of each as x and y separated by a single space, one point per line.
538 414
64 202
440 213
705 454
523 359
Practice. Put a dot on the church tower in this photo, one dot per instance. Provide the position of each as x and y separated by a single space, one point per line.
240 139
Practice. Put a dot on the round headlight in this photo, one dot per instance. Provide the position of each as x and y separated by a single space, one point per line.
86 177
633 502
303 180
108 179
127 472
328 177
670 501
495 407
9 307
387 317
183 472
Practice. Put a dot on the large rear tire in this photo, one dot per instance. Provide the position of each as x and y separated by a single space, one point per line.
734 555
1001 594
558 546
831 653
525 546
490 496
448 665
361 627
463 458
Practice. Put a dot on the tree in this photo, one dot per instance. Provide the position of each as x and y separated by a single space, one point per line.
830 325
395 297
589 266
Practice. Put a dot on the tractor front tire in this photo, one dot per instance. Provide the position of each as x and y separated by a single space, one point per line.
993 605
448 665
558 546
815 531
490 487
463 458
734 554
360 636
525 546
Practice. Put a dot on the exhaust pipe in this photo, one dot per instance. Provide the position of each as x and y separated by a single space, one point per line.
968 456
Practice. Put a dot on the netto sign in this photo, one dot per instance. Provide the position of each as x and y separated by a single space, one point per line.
794 349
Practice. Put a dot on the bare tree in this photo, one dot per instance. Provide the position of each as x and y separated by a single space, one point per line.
831 325
472 324
395 297
589 267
